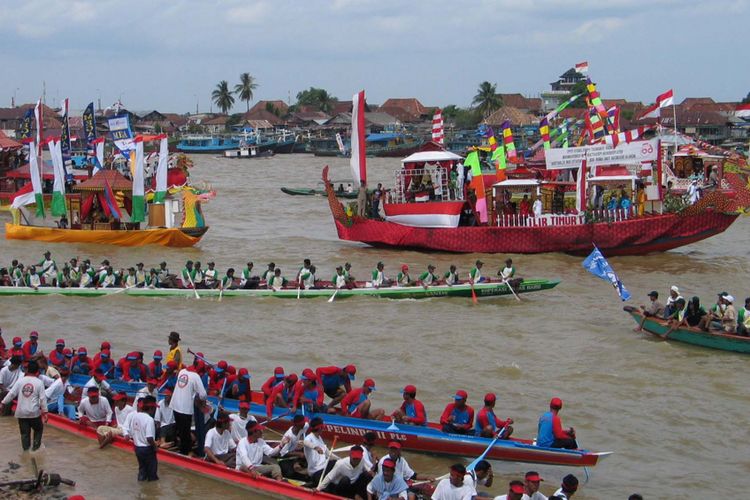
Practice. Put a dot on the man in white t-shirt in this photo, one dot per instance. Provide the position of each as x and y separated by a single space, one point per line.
568 487
143 432
164 419
316 451
531 486
94 410
536 208
238 422
294 466
348 478
515 492
252 452
31 407
219 446
454 487
189 387
106 434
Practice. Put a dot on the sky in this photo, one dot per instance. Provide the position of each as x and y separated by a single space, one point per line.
169 55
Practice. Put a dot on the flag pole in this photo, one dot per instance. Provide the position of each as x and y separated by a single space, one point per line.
674 116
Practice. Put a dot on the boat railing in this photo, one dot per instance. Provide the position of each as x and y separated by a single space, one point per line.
438 186
554 220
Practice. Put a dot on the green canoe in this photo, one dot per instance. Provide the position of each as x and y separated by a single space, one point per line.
689 335
412 292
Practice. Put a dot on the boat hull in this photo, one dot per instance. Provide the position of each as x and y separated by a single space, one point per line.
276 489
316 192
174 237
723 342
414 292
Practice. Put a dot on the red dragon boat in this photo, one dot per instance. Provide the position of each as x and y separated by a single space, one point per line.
571 184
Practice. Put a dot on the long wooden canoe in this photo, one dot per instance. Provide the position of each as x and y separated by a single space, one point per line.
269 487
491 289
427 439
689 335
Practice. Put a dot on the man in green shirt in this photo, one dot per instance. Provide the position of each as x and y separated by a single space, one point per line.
428 277
188 275
475 275
451 276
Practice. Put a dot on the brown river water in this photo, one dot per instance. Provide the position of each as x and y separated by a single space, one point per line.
674 415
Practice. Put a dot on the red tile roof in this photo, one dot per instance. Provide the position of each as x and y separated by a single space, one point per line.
278 104
8 143
117 182
515 115
410 104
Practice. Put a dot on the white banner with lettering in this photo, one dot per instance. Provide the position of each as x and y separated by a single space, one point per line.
635 152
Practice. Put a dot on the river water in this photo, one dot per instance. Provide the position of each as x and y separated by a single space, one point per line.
673 414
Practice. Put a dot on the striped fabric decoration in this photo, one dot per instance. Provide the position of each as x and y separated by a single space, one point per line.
627 136
595 126
438 134
544 132
596 102
613 119
510 147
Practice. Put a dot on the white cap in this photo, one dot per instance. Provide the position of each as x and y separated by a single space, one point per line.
729 299
675 289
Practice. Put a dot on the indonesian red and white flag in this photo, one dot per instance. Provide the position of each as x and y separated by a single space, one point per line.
582 67
742 111
357 162
662 101
437 127
23 197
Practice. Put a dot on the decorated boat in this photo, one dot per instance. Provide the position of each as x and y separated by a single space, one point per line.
491 289
618 201
427 439
207 144
691 335
260 484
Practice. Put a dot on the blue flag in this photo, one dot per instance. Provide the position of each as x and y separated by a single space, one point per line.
89 123
597 265
24 129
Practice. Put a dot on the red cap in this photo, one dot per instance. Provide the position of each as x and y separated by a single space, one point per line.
370 383
60 342
394 444
461 394
167 391
152 381
411 389
356 454
308 374
292 377
158 354
98 375
243 373
279 370
106 345
34 335
67 352
516 488
17 340
404 267
221 366
172 364
389 463
244 404
556 403
533 476
119 397
490 397
82 350
350 369
105 353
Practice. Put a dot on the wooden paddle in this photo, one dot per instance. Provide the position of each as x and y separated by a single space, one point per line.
333 296
473 293
328 459
473 464
193 285
507 283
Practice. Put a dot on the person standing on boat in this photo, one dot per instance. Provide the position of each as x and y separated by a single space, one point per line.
451 276
362 199
655 309
458 417
411 410
175 351
475 275
336 381
488 424
357 403
143 431
31 406
387 485
454 487
48 269
379 278
187 392
252 452
550 432
377 194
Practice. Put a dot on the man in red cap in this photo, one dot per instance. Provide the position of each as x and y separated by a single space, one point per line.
133 370
30 346
515 491
106 346
316 451
150 389
348 477
217 380
253 453
240 388
94 410
17 348
271 382
282 394
143 432
336 381
308 394
31 406
169 377
164 418
357 403
82 364
219 446
454 487
403 278
402 466
105 363
387 484
238 421
531 486
155 367
550 430
57 355
412 410
458 417
488 425
106 434
293 465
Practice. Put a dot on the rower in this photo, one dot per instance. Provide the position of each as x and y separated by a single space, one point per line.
175 352
105 346
217 379
378 276
387 484
198 276
268 273
152 280
130 279
403 278
133 370
531 486
48 269
57 393
550 430
304 269
368 446
508 271
16 348
428 277
308 394
94 410
480 475
268 385
475 275
252 452
568 488
316 451
82 363
411 410
140 275
281 395
292 451
339 279
227 282
454 487
487 424
211 276
9 375
155 367
348 477
238 421
99 381
17 275
240 387
105 364
515 491
108 279
458 417
150 389
187 276
277 282
105 433
336 381
357 402
57 356
306 276
247 280
165 420
33 280
87 276
348 274
31 346
219 446
166 279
402 466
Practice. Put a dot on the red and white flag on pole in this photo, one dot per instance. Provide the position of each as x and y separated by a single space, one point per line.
582 67
742 111
662 101
437 127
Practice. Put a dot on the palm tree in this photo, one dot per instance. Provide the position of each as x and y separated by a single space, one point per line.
222 97
244 89
487 99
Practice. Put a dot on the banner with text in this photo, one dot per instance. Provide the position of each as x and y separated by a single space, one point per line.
122 135
603 154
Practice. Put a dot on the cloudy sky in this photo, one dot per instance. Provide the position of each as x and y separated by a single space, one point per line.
170 54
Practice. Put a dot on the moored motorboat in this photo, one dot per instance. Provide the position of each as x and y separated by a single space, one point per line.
691 335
